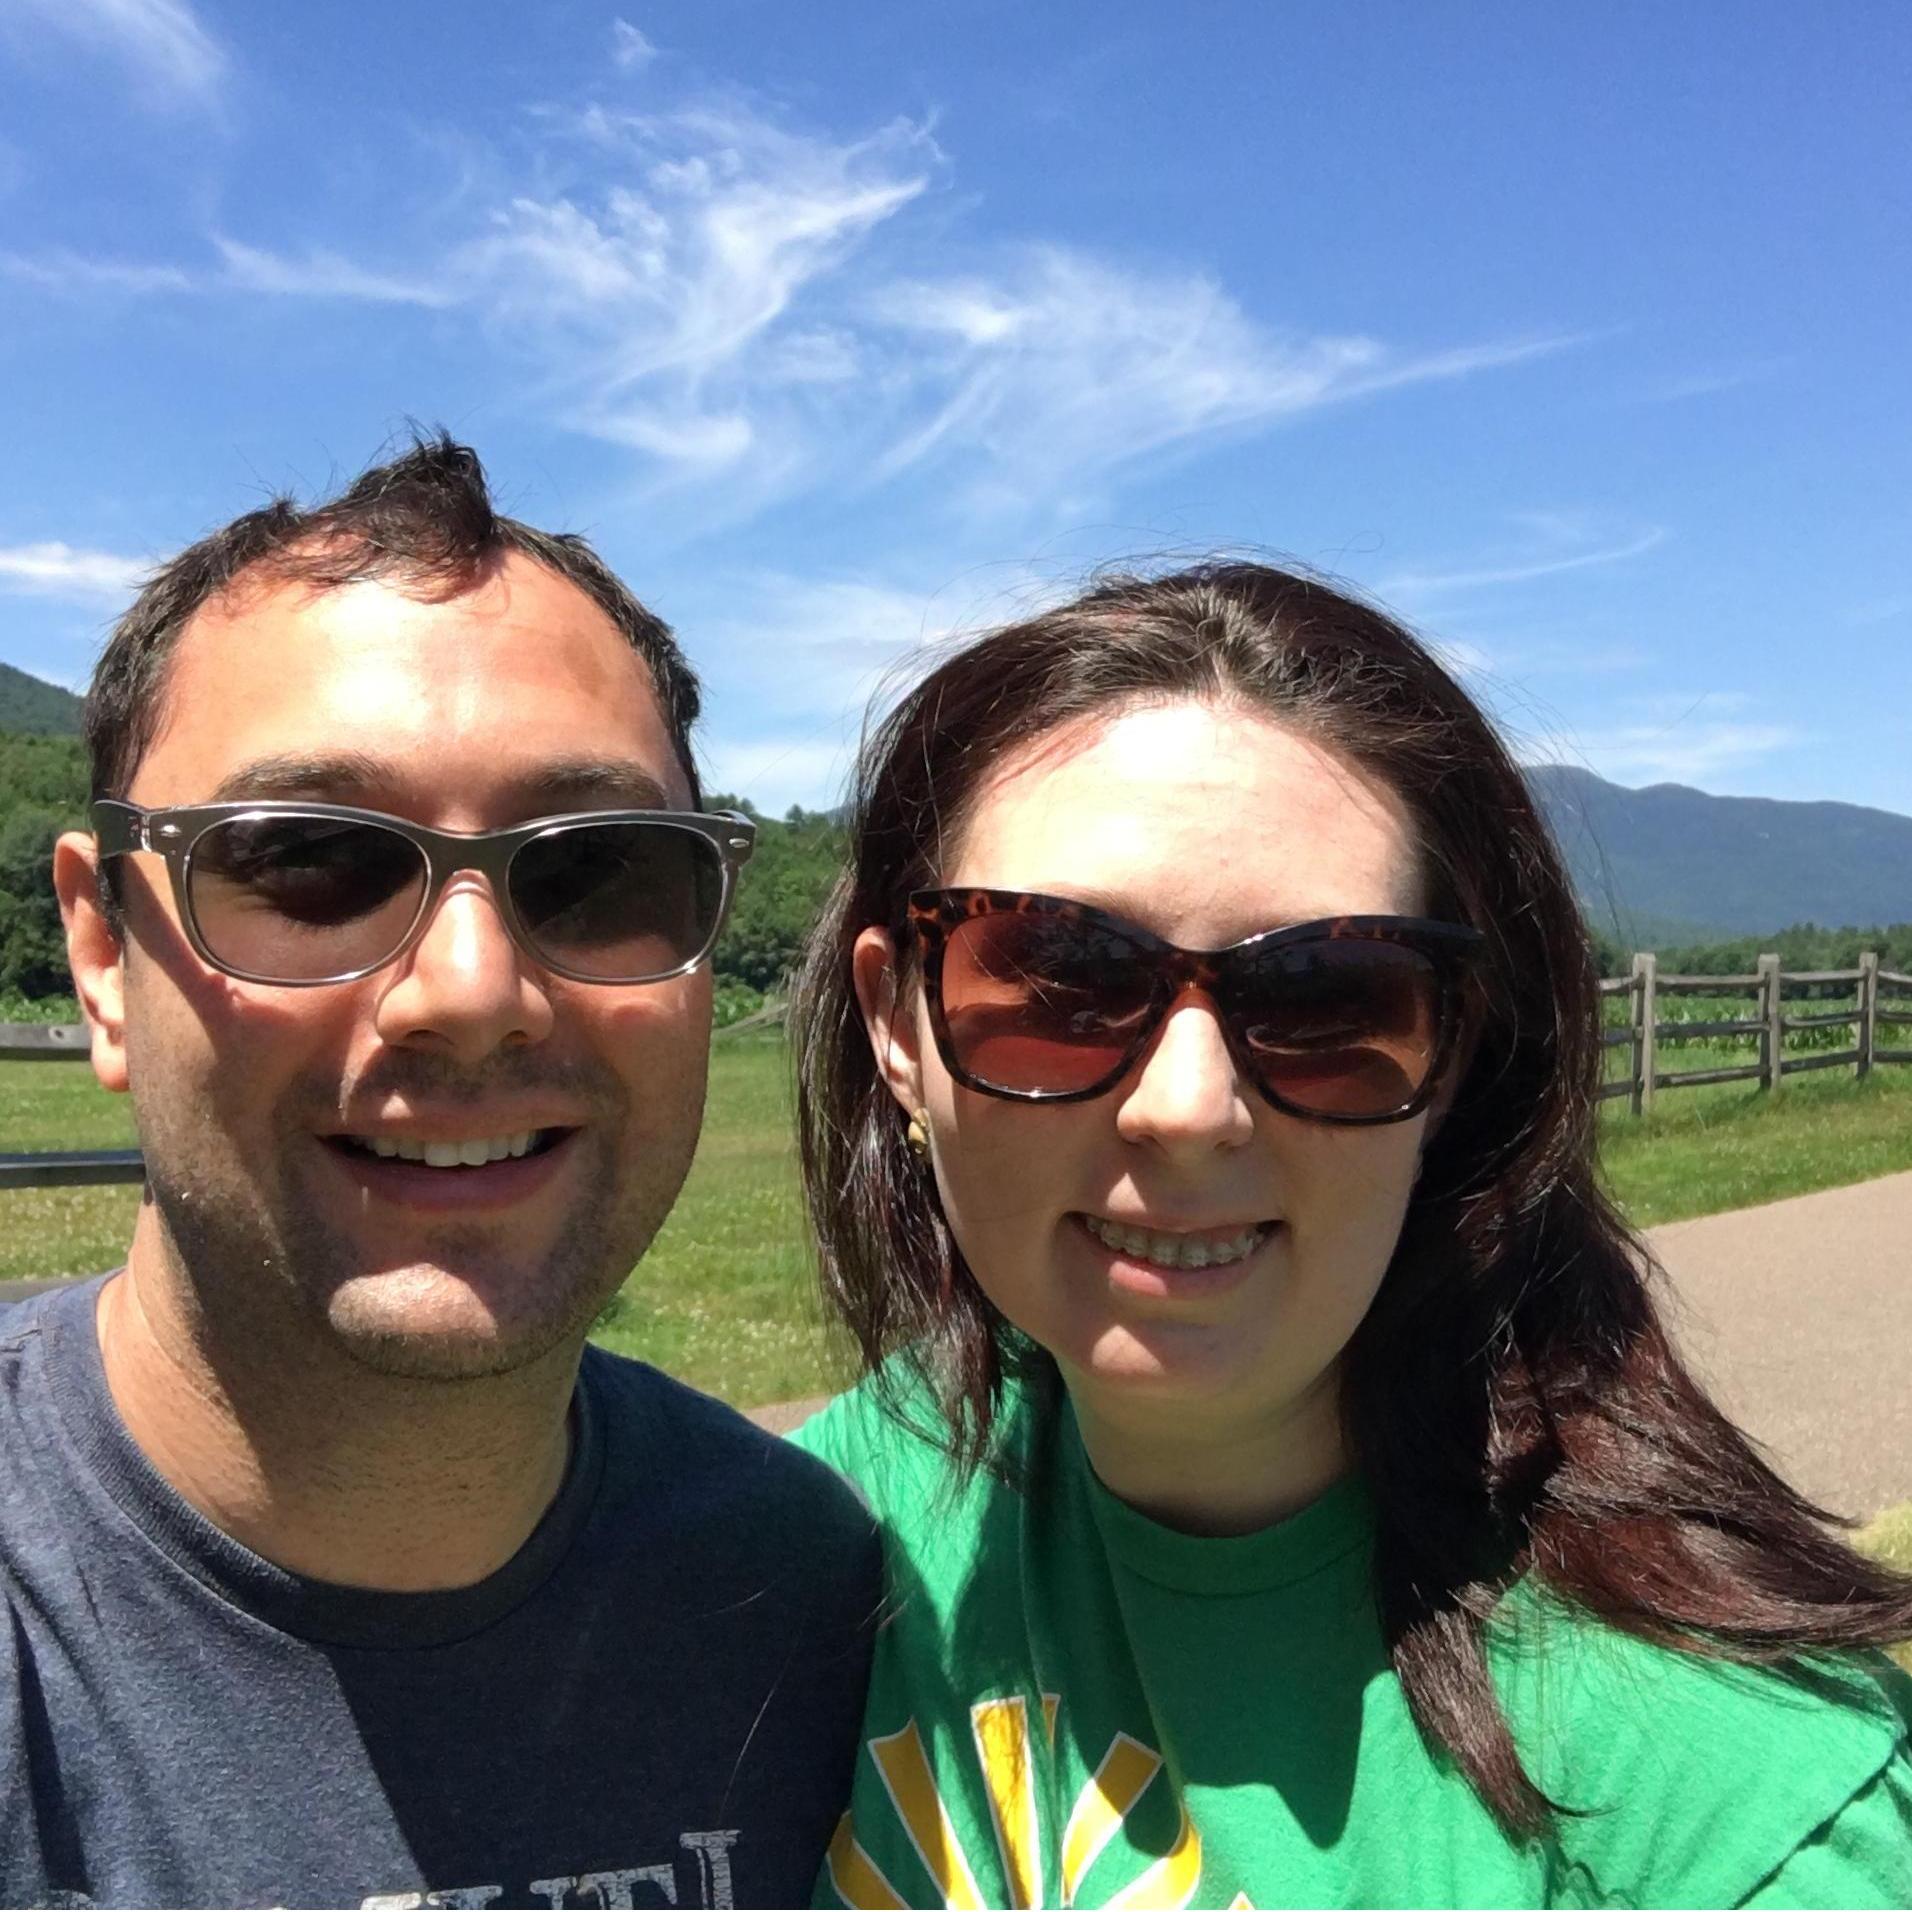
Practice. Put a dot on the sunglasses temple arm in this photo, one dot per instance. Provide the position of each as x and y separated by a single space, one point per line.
118 828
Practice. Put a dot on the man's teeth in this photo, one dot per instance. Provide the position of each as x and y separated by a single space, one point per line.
472 1154
1175 1251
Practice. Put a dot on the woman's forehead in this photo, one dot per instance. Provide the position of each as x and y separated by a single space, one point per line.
1205 808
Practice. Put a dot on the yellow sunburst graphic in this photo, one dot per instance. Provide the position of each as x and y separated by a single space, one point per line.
1004 1752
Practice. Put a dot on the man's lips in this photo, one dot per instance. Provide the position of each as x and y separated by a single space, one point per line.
453 1172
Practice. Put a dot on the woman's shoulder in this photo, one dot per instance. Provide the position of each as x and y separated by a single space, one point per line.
881 1434
888 1436
1698 1781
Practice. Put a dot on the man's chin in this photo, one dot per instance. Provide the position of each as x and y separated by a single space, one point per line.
434 1323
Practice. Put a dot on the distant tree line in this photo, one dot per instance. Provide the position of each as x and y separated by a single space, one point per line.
1802 946
43 785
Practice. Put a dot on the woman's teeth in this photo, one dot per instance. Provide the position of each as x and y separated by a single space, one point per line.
1176 1251
473 1154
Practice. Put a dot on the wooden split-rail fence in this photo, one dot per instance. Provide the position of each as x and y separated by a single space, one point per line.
1881 1005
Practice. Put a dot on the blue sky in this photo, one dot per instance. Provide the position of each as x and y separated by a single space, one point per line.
1576 334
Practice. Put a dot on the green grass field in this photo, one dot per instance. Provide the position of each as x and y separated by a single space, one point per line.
724 1297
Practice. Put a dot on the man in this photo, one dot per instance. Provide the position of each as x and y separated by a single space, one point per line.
337 1570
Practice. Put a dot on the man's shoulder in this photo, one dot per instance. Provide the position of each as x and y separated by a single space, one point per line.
697 1452
26 1321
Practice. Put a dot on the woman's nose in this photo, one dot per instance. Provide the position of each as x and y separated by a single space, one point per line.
1187 1093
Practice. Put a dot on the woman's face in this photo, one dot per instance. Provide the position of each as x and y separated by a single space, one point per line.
1205 824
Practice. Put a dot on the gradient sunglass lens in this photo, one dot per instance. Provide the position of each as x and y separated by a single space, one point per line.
1050 1000
298 898
619 901
1040 1004
1342 1027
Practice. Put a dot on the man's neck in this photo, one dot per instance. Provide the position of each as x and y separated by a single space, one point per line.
319 1464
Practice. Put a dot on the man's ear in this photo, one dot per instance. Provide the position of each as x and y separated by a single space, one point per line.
94 953
887 1018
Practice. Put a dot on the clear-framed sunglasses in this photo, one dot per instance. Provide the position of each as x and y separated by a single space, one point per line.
300 894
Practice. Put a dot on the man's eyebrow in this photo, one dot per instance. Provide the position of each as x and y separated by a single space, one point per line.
597 783
335 776
302 774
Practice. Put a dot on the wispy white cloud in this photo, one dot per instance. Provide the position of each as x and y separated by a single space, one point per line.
629 47
1062 361
1669 736
676 276
315 274
162 42
824 646
1428 584
67 271
318 274
66 571
1708 381
1644 754
1885 610
726 297
777 771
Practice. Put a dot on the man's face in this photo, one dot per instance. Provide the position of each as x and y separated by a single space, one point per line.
256 1105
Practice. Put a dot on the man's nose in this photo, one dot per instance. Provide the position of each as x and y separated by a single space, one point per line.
465 988
1187 1095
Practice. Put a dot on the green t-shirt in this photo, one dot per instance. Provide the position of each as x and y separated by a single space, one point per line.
1073 1705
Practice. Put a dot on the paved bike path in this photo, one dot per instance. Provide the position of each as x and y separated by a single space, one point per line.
1798 1316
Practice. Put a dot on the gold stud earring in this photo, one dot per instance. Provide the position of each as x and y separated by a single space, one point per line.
918 1134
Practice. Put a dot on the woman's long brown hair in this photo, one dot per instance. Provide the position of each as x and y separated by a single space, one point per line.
1512 1397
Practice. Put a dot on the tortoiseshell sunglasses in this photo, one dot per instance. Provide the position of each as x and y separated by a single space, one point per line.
1040 999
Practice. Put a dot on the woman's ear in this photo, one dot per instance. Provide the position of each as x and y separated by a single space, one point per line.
887 1017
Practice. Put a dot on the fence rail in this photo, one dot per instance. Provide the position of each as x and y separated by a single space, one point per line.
1882 1002
60 1168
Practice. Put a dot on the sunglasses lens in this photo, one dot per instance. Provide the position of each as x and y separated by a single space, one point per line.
1041 1003
1344 1028
299 899
619 902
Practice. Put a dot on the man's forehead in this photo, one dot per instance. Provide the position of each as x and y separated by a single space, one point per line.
523 670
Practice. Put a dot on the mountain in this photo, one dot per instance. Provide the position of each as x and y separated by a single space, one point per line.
35 708
1669 865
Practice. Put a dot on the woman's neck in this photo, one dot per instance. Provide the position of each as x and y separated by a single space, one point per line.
1203 1467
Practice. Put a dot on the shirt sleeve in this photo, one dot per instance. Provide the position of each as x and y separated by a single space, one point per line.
1861 1856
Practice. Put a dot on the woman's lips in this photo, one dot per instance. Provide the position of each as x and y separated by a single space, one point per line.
1166 1262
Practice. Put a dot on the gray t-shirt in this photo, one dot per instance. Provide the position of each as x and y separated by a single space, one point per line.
655 1702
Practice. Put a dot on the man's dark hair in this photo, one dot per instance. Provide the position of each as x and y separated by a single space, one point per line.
425 517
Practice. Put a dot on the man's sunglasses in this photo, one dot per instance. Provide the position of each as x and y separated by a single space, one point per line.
307 893
1040 999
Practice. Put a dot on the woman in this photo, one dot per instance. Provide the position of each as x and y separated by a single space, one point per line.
1292 1494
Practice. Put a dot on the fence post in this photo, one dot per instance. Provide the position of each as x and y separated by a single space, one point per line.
1645 1014
1772 1040
1868 1009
